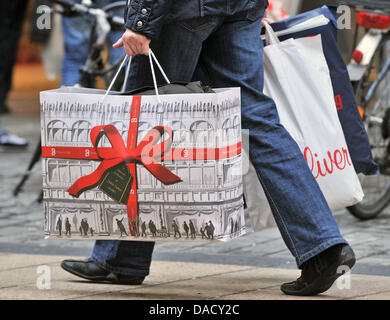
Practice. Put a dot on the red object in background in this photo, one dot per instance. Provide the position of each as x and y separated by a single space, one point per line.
373 20
275 12
339 102
357 56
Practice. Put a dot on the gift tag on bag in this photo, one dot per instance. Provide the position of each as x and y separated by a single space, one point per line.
116 183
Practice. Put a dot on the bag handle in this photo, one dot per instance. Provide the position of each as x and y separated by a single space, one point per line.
151 56
270 35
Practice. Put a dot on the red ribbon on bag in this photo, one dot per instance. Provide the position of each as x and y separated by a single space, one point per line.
146 153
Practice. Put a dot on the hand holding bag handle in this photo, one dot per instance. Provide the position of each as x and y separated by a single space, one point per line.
151 56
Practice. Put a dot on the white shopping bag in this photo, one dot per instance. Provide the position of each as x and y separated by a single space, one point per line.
297 78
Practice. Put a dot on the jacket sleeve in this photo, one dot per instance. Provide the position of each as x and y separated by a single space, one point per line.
147 17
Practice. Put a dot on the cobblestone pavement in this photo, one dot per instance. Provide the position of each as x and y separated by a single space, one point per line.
21 222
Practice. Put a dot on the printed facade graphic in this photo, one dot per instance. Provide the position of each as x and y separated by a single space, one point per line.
206 205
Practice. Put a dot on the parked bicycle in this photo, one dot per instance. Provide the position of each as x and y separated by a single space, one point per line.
104 21
369 73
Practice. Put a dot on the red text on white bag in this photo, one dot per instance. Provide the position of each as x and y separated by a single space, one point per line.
336 160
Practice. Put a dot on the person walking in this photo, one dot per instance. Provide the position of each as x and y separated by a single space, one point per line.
211 229
192 230
202 233
143 228
59 225
186 228
68 227
84 227
176 229
121 227
220 40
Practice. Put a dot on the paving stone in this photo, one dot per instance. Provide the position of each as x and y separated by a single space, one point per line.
20 274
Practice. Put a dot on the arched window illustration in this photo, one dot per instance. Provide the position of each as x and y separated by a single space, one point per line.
57 131
231 129
80 131
202 132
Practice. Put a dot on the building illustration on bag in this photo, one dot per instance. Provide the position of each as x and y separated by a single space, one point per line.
208 201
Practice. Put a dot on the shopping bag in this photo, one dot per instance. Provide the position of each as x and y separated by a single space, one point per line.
150 168
323 21
297 78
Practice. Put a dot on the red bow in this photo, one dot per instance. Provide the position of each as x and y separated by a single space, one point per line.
148 152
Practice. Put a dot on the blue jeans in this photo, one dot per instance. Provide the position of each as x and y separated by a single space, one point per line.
77 32
227 51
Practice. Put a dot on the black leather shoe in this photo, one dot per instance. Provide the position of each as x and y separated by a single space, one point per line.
321 271
89 270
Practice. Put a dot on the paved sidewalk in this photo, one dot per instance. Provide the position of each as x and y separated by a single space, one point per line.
20 273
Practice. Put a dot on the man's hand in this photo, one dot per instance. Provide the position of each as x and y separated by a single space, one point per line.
134 43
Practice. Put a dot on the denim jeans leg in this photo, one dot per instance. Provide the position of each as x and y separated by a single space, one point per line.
298 205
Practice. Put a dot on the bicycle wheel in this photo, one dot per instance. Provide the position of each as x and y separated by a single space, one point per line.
376 188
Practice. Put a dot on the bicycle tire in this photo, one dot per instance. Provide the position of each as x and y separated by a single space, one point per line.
367 212
363 210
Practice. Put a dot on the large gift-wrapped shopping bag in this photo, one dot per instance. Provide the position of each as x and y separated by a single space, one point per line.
165 167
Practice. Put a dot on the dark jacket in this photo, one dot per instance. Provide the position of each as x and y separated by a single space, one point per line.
148 16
